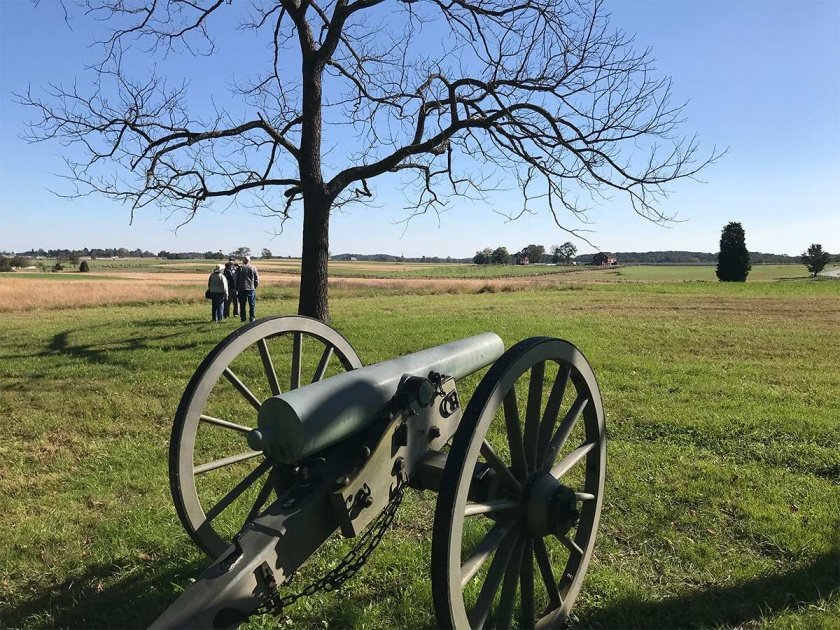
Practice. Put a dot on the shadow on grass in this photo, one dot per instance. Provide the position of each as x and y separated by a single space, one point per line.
134 600
139 597
110 351
726 605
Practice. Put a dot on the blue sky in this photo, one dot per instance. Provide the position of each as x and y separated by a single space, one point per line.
762 78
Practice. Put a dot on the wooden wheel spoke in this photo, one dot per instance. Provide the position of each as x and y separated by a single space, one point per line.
526 585
488 507
268 366
514 435
483 550
242 389
507 599
190 437
262 497
532 413
492 582
224 423
544 563
512 578
571 545
226 461
565 464
297 353
322 364
552 411
498 465
564 430
237 490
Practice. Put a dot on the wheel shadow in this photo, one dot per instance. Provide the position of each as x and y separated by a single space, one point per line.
81 601
726 606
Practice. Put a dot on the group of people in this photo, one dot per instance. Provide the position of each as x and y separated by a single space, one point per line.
236 285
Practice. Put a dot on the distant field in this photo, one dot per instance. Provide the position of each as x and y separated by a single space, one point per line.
341 269
162 281
723 491
355 269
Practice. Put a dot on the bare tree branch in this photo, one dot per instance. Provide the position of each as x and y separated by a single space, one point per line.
542 95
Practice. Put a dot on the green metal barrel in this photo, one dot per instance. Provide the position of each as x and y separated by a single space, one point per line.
308 419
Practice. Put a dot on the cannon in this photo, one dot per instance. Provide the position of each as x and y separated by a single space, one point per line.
267 463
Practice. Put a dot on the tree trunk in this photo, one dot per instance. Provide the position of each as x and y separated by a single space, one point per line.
316 204
314 289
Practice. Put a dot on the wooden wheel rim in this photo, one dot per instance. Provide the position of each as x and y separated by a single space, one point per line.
450 607
188 416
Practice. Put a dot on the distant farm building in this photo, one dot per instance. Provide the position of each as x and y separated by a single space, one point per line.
521 259
602 259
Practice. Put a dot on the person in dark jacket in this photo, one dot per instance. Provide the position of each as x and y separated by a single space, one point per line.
230 273
217 287
247 281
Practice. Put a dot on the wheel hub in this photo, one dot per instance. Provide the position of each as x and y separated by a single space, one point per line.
549 506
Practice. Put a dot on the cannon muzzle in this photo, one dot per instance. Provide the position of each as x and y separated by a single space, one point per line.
308 419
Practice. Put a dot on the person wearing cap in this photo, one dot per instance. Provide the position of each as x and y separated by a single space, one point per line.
217 291
230 273
247 281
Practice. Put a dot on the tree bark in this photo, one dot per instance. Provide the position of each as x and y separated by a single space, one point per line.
316 204
313 265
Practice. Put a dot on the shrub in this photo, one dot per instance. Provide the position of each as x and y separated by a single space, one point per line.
84 267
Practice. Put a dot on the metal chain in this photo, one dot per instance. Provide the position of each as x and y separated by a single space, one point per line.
348 567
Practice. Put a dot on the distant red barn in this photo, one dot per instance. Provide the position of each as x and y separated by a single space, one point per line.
603 259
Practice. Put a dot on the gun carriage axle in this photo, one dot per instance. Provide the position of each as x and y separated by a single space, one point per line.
515 490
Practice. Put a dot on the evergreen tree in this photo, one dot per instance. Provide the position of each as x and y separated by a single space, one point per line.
733 257
815 259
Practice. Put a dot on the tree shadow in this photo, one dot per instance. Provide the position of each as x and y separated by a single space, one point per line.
81 601
103 351
728 606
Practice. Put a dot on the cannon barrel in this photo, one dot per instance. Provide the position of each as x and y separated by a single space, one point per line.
308 419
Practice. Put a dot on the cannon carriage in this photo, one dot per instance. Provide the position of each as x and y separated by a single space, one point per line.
268 462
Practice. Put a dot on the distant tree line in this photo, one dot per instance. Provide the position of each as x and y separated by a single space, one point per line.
684 257
395 259
217 255
500 255
68 254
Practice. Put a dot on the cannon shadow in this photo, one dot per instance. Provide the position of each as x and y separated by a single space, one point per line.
726 606
137 599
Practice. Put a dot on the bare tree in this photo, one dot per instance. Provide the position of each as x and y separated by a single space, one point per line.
541 94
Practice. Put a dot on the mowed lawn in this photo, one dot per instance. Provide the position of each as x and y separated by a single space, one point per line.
722 503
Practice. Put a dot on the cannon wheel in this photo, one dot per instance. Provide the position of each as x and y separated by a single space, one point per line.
196 516
538 465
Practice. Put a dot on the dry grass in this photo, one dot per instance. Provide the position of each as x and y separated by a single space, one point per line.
25 294
31 293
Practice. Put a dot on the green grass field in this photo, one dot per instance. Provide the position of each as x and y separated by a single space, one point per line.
722 506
